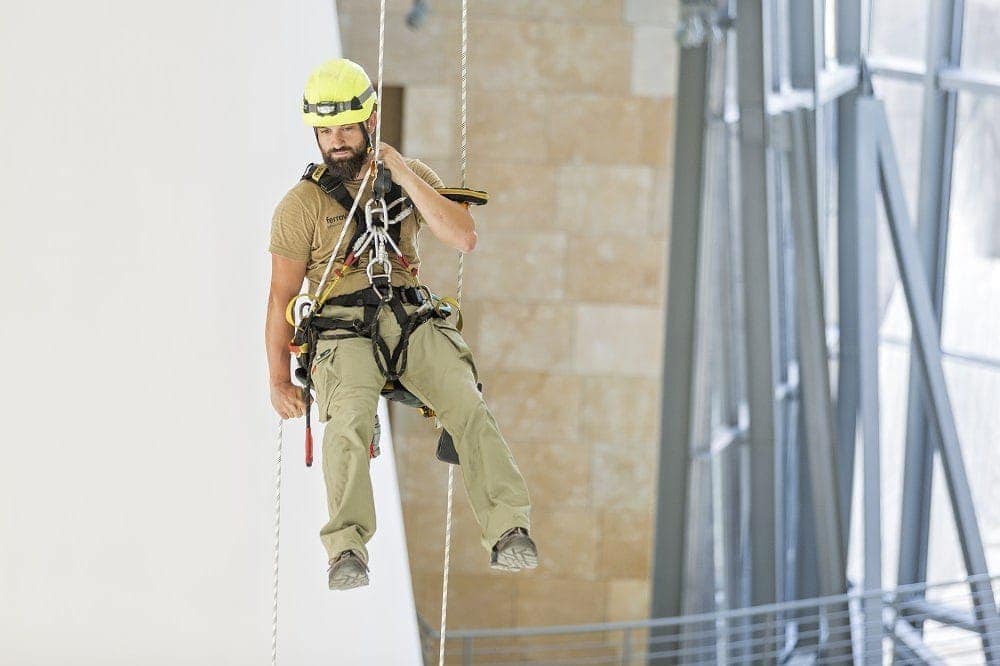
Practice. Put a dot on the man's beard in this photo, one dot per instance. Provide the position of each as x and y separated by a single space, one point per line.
346 168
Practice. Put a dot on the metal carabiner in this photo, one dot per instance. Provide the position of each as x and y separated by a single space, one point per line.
369 214
373 261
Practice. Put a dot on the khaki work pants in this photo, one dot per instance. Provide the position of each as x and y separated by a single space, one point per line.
441 373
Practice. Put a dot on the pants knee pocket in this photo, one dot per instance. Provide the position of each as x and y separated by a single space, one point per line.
325 377
452 335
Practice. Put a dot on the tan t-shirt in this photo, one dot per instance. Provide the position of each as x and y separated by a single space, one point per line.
308 221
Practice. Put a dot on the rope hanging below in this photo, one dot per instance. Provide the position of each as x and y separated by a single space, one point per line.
463 163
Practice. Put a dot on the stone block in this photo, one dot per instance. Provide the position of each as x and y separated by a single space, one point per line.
609 11
557 473
506 55
616 269
663 190
438 263
480 602
656 117
621 410
426 56
396 8
626 544
586 58
467 551
527 336
664 13
623 477
567 543
508 125
559 601
522 266
593 128
421 476
522 196
619 340
628 600
598 201
427 595
654 62
424 526
427 130
534 406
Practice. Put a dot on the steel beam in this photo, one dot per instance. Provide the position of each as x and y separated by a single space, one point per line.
866 266
900 69
979 82
679 347
849 18
936 153
760 271
909 644
928 347
815 379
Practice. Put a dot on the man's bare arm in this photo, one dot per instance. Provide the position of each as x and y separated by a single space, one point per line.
449 220
286 281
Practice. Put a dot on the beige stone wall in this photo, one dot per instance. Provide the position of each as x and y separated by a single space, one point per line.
570 115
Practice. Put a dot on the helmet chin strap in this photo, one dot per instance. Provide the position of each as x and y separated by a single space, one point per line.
368 136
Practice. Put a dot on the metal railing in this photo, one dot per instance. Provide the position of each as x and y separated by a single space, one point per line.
918 624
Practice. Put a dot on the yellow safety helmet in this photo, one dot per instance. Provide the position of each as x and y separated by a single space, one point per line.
338 92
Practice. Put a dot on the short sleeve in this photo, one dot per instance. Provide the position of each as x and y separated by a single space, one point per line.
426 174
292 229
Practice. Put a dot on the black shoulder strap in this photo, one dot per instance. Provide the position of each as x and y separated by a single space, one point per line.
320 175
334 187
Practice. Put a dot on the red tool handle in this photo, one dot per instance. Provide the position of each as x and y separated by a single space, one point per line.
309 447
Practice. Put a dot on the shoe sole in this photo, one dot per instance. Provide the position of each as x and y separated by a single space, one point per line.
348 579
521 554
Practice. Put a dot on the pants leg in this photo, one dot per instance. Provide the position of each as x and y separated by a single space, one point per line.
347 385
441 372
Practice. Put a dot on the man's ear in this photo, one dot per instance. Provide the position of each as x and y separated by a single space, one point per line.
372 121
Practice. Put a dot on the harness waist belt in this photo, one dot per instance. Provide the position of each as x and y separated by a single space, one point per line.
367 296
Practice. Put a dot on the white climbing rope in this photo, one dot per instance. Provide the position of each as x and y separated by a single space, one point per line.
277 534
463 161
371 165
381 54
343 232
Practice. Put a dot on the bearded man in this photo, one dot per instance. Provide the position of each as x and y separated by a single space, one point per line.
373 313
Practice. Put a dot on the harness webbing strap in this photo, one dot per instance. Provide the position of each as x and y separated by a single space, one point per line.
337 190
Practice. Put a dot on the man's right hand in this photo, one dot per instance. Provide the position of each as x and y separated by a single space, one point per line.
287 400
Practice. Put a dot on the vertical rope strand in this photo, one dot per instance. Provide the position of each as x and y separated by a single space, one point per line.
463 158
463 163
447 559
277 535
381 57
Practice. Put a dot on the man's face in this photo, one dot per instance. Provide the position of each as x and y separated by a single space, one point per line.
343 148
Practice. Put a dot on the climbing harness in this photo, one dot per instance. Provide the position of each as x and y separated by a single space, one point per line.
377 231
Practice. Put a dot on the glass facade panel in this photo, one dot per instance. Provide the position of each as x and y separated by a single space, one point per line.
979 42
973 389
972 276
899 28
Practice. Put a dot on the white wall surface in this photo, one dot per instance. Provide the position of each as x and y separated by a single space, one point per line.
143 146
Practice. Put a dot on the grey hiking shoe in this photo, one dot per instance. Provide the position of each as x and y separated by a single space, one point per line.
347 571
514 551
